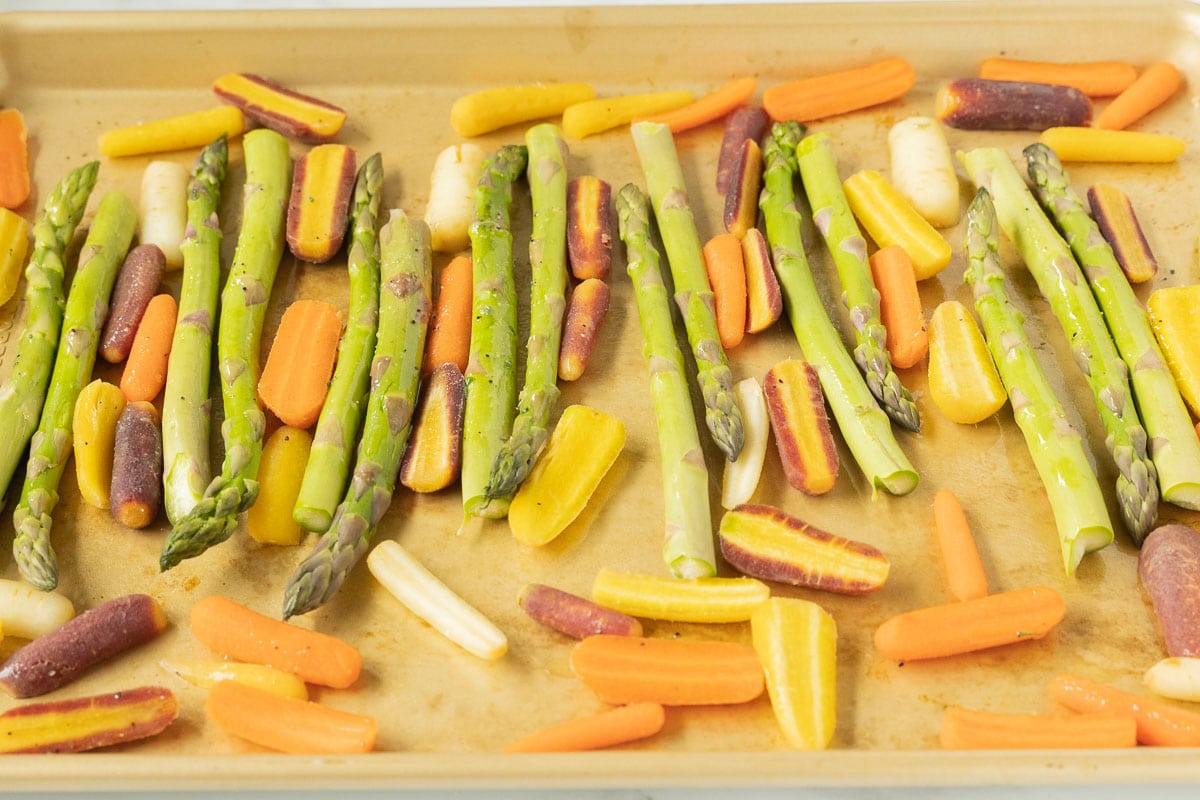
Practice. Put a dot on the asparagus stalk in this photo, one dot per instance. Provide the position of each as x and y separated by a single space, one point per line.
491 374
668 195
864 426
186 400
1174 447
24 392
50 448
405 303
547 175
243 308
1060 281
832 216
688 544
341 417
1057 449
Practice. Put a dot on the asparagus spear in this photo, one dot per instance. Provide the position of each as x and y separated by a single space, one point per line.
547 174
1174 449
688 545
23 393
1057 449
668 195
186 399
491 374
831 214
405 303
86 307
864 426
1060 281
337 428
243 307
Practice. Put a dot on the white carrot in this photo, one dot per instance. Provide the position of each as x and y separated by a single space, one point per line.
923 170
164 208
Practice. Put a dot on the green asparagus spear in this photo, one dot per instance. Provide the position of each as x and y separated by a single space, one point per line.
832 216
864 426
688 545
491 373
1061 282
243 308
50 448
186 399
404 307
668 195
22 395
1174 449
1057 449
337 428
547 174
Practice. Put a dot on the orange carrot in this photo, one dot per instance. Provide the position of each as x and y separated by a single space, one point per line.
287 724
449 338
146 368
900 305
241 634
1093 78
964 571
605 729
711 106
1158 723
727 276
967 729
946 630
673 672
295 379
1153 87
14 159
839 92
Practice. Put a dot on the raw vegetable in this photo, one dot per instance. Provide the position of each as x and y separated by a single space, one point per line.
146 368
586 311
14 246
136 285
802 433
741 477
299 365
285 456
1093 78
14 159
589 227
180 132
280 109
693 295
1101 145
329 460
490 109
1020 615
1056 447
963 382
900 305
449 338
451 196
688 543
613 726
244 301
583 447
796 641
833 219
922 169
1176 678
94 426
433 457
708 107
236 632
709 599
27 613
1169 573
1114 214
981 104
573 615
764 299
438 605
727 276
136 493
207 674
86 723
163 209
970 729
837 93
322 187
741 199
1158 723
1174 320
186 403
1157 84
863 425
583 119
405 303
889 219
747 122
965 577
101 256
286 723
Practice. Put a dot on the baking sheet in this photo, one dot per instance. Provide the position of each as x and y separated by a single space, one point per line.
444 714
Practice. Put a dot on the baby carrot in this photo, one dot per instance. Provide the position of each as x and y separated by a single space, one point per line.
709 107
287 724
1078 143
295 379
1093 78
900 305
146 368
1152 88
968 729
241 634
839 92
964 572
1158 723
449 338
946 630
727 276
672 672
605 729
14 159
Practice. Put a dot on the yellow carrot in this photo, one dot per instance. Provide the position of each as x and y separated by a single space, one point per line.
207 674
796 640
963 382
97 410
174 133
1128 147
596 116
14 245
1175 317
888 218
280 474
491 109
679 599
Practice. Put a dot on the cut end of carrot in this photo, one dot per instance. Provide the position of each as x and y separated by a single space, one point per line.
296 377
14 159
